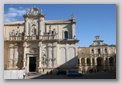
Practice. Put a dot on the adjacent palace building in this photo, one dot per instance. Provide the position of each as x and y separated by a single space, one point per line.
39 45
97 57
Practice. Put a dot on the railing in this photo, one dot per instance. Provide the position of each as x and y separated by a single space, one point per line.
47 37
17 38
97 55
34 37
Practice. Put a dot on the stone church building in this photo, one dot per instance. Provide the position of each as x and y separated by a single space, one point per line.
39 45
97 57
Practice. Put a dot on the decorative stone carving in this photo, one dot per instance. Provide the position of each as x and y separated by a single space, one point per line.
34 11
27 11
11 45
40 44
33 50
25 44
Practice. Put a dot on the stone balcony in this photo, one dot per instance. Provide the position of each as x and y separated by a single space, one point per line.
34 37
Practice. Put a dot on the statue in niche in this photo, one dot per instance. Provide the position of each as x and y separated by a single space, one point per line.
44 59
54 32
34 29
50 30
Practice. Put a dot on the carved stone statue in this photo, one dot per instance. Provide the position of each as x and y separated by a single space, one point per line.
27 11
12 33
34 11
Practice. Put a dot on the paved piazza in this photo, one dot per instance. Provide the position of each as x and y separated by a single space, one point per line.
98 75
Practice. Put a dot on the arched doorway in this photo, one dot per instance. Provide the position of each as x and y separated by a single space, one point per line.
88 62
111 61
83 64
99 64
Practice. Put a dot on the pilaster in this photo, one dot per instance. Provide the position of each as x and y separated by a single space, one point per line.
16 57
10 66
24 57
108 63
40 54
80 64
91 61
54 50
49 55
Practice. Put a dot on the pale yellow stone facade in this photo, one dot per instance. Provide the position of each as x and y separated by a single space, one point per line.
39 45
97 57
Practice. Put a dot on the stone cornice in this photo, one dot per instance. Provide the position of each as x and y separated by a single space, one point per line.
49 22
68 41
18 23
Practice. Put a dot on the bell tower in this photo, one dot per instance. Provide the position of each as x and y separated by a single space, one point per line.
34 22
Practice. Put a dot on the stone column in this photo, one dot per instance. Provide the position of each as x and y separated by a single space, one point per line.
40 29
101 51
91 62
85 64
67 53
54 54
27 64
24 57
104 58
16 57
10 66
80 64
40 55
49 56
95 59
108 64
26 26
41 23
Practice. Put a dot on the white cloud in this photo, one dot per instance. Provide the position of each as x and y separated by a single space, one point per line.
13 13
10 19
20 7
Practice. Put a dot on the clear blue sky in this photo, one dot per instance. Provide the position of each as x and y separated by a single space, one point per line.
92 19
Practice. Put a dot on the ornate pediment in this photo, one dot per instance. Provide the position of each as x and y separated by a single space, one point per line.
33 50
34 11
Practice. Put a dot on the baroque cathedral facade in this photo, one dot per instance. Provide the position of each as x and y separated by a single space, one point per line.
39 45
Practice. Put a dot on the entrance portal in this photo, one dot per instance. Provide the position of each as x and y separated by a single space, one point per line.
32 64
99 64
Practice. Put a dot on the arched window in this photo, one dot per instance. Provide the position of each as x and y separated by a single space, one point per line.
105 50
99 51
92 51
65 35
88 61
